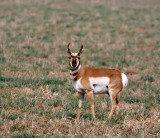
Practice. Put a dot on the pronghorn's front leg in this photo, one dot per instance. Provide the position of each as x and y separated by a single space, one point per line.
81 97
91 101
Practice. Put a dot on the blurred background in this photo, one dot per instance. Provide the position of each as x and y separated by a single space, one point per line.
36 95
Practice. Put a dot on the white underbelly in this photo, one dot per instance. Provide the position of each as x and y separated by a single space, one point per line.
99 84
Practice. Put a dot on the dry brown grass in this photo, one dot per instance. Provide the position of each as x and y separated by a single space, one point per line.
36 96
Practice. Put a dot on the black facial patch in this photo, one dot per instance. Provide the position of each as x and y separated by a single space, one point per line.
74 63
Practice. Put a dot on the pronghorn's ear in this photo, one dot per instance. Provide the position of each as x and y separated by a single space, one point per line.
68 49
80 51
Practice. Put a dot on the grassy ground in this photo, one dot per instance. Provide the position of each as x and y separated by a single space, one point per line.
36 95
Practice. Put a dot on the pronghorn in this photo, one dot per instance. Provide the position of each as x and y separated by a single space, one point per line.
90 81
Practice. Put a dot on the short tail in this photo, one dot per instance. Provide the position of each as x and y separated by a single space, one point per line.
124 80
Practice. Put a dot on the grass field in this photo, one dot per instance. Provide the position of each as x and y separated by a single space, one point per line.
36 95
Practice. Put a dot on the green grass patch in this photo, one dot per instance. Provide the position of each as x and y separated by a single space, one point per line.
58 115
55 102
131 99
37 98
158 99
147 78
31 82
11 116
73 103
24 134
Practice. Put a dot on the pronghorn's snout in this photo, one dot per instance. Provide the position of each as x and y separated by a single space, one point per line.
74 63
74 60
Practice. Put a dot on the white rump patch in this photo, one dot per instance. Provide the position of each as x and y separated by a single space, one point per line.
99 84
124 80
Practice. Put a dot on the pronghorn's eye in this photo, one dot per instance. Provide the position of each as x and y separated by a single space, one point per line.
69 57
78 57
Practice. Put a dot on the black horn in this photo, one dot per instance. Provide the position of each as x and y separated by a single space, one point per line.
68 49
80 51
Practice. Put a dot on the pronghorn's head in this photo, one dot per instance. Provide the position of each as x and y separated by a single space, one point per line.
74 58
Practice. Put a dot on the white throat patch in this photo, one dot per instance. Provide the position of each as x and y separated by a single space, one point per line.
75 71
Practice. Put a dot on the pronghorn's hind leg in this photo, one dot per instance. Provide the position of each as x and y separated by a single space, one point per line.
117 108
81 97
114 101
